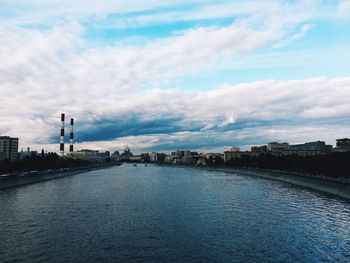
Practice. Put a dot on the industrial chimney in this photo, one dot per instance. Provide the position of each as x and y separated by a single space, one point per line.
62 135
71 136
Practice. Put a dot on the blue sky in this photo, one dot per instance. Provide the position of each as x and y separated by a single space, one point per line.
163 75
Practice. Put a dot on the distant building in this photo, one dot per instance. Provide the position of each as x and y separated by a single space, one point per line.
135 158
115 156
161 157
126 153
8 148
153 157
26 154
187 153
309 148
170 158
90 155
228 155
145 157
180 153
182 156
235 149
188 159
212 155
233 153
342 145
277 148
157 157
258 150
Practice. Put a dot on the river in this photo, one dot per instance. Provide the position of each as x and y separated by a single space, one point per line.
171 214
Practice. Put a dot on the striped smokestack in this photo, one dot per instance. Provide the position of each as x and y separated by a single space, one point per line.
71 136
62 135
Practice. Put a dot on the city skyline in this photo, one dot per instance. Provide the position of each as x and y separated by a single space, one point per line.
160 76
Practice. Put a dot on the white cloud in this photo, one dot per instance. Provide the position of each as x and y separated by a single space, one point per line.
21 12
208 11
296 36
137 12
294 110
44 72
230 119
344 8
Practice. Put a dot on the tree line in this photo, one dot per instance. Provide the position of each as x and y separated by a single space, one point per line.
332 165
40 162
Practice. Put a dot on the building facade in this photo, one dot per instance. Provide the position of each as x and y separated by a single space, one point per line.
342 145
157 157
135 158
258 150
277 148
235 149
126 154
8 148
310 148
90 155
26 154
228 155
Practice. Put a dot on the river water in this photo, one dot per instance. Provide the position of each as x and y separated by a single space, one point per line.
171 214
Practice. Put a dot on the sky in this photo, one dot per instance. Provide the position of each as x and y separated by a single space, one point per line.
183 74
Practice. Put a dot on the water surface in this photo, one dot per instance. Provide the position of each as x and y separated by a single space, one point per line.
171 214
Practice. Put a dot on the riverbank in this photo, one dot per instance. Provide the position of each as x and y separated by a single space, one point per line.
18 180
333 186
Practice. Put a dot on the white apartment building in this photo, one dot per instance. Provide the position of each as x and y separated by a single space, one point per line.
8 148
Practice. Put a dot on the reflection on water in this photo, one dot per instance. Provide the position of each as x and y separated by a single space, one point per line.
167 214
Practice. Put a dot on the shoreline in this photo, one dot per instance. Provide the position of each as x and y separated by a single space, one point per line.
324 185
43 176
332 186
339 187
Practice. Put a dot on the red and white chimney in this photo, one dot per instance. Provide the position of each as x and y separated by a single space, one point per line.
62 135
71 141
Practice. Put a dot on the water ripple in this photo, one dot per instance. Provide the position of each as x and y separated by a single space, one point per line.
165 214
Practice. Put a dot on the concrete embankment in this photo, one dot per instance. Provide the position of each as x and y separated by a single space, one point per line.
339 187
16 181
335 186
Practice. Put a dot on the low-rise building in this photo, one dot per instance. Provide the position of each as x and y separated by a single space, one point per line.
235 149
135 158
153 157
180 153
228 155
126 154
342 145
90 155
157 157
26 154
8 148
145 157
189 159
309 148
258 150
214 158
213 155
169 158
277 148
115 156
233 153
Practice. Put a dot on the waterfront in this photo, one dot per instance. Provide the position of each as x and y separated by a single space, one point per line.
171 214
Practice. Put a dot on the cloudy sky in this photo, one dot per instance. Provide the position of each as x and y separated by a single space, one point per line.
163 75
